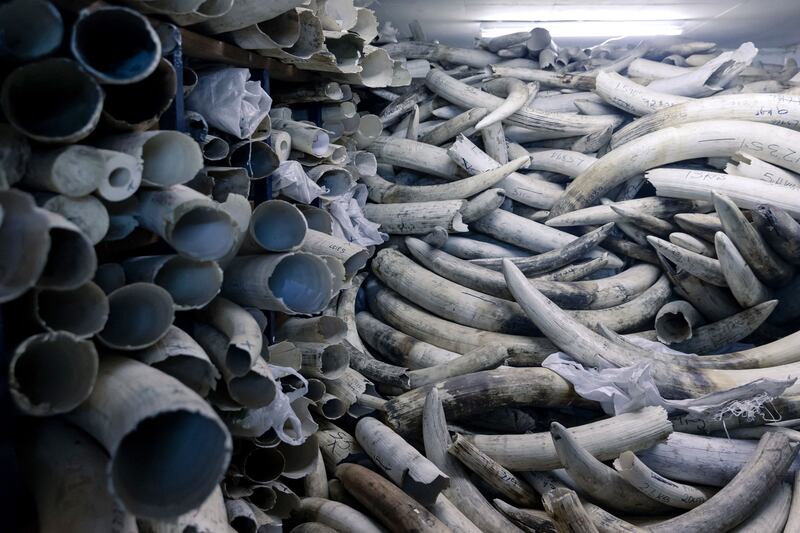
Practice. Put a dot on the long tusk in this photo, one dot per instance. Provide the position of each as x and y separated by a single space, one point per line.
531 520
405 466
480 247
739 498
577 271
567 162
744 192
61 460
335 515
705 268
439 52
417 217
470 393
747 166
780 230
481 205
72 170
687 141
124 394
602 214
180 356
192 284
774 511
453 127
505 482
399 348
631 97
414 155
34 29
452 517
481 359
392 506
745 286
676 321
52 373
657 487
792 525
353 256
555 258
601 482
147 306
428 327
241 329
464 495
271 282
526 233
383 191
723 107
649 223
329 329
599 294
559 125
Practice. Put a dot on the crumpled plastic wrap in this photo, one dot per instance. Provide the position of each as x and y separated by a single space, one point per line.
349 222
625 389
292 181
229 102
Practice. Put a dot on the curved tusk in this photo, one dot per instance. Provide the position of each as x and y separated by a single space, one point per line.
657 487
464 495
335 515
705 268
692 243
422 325
482 204
780 230
765 263
773 513
649 223
480 359
599 481
242 331
697 139
602 214
517 94
555 258
743 283
739 498
599 294
577 271
414 155
452 517
383 191
417 217
675 322
451 128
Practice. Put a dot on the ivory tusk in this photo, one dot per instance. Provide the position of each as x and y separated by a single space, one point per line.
324 329
764 263
467 394
417 217
24 229
531 520
121 178
125 112
71 260
82 311
154 488
335 515
517 95
330 407
675 322
243 13
257 157
705 268
52 373
192 284
67 474
477 246
740 278
648 223
72 171
739 498
451 516
216 149
140 314
747 166
603 214
700 224
244 338
685 142
692 243
567 162
464 495
632 97
315 485
453 127
601 482
352 255
481 359
413 155
567 510
393 507
293 283
276 226
780 230
210 517
178 355
34 29
772 515
281 31
328 361
301 459
577 272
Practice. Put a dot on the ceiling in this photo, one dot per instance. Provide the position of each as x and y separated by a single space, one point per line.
767 23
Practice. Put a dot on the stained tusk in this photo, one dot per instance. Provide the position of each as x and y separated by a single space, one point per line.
577 271
325 361
567 511
780 230
481 359
464 495
417 217
741 280
764 263
328 329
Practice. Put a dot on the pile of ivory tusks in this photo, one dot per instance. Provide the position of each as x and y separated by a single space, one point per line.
543 199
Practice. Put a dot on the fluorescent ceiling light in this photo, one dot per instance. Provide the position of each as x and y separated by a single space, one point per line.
587 28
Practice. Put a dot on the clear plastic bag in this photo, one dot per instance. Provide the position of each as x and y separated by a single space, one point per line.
229 102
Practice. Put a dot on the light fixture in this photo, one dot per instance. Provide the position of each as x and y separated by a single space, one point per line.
586 28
